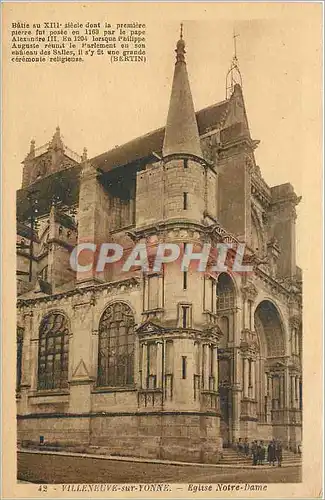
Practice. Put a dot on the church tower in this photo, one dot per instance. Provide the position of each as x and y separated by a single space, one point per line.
182 184
178 338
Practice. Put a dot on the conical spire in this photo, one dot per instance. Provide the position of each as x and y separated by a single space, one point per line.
181 132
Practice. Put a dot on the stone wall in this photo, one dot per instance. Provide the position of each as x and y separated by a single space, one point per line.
192 438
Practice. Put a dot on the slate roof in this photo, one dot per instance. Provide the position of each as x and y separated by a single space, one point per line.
144 146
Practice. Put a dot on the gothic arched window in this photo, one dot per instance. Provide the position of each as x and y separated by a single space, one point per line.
53 352
225 292
116 346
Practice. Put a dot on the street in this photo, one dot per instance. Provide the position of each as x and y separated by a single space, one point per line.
65 469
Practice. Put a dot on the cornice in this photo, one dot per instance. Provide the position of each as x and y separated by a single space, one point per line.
92 289
277 286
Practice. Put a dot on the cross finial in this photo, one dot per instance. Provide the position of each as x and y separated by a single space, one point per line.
233 76
180 47
235 35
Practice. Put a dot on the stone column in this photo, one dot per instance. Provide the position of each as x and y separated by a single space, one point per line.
214 302
296 342
34 364
297 391
215 367
299 395
26 358
246 375
281 391
159 365
144 369
25 364
286 389
206 370
253 379
292 391
274 392
236 393
246 314
161 291
94 343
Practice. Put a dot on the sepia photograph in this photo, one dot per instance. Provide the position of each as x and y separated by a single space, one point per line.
158 167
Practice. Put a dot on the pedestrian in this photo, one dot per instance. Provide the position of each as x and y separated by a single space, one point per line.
271 452
265 451
261 453
254 452
246 447
278 453
240 445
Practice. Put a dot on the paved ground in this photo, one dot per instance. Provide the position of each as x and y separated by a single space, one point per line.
65 469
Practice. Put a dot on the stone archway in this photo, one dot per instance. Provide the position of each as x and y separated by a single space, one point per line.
270 373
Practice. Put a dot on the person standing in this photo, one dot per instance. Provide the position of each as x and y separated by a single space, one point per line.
254 452
278 453
271 453
262 453
246 447
259 452
240 446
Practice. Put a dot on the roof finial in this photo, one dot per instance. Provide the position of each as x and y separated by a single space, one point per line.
32 146
180 47
84 154
235 35
233 76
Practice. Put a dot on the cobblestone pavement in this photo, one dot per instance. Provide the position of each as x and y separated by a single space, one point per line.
64 469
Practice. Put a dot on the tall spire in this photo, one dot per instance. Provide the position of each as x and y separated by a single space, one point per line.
181 132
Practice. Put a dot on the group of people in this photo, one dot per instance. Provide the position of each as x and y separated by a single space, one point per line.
261 452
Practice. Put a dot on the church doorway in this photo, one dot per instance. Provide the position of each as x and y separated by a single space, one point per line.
270 371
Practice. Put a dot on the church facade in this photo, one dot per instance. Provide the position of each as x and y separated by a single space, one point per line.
167 364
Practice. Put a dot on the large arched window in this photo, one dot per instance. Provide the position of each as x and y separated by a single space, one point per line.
225 292
53 352
116 346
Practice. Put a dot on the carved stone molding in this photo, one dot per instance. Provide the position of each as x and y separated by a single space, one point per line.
249 343
249 291
148 328
111 288
295 321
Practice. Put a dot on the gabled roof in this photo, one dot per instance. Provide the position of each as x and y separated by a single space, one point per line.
144 146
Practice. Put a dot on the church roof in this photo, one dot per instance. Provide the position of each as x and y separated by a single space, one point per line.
142 147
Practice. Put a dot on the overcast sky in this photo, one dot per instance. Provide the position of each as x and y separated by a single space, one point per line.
100 105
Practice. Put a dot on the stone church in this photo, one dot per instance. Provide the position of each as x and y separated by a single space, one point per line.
171 364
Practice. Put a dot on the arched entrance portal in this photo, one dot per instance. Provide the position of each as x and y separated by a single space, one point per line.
270 367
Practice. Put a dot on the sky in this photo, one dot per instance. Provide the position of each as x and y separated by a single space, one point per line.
99 105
